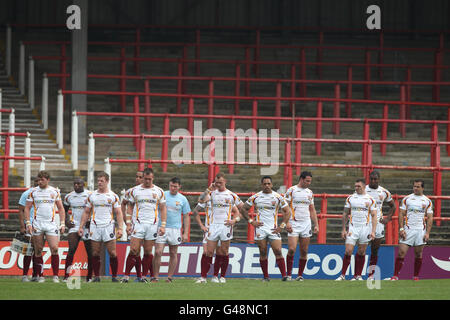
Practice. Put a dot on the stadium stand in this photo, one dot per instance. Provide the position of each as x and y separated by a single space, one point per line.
234 52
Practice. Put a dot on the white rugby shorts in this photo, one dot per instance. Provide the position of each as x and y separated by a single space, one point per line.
172 236
146 231
264 232
49 228
359 234
102 233
219 232
414 237
301 229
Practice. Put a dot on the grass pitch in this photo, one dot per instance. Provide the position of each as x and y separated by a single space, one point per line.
234 289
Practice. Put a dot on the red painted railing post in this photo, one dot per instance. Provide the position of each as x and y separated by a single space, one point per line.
165 146
322 236
237 88
434 137
298 147
437 178
136 122
384 129
254 125
137 51
5 182
179 85
395 218
402 106
302 72
348 105
365 155
250 228
367 76
210 103
287 168
230 146
190 121
148 125
319 128
278 105
337 109
185 69
122 81
141 165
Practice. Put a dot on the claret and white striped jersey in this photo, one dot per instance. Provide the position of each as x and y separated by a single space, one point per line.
299 200
380 195
416 207
77 202
222 204
44 202
146 203
266 207
360 206
103 205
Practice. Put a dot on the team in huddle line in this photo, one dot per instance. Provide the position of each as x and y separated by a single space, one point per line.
153 219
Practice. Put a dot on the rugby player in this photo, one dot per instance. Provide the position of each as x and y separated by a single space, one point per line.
413 232
223 204
76 201
267 203
301 202
177 210
362 211
101 206
148 204
45 199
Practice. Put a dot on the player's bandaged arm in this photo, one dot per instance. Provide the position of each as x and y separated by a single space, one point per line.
244 211
204 195
27 214
286 216
62 213
373 213
195 212
429 223
129 212
119 217
401 218
391 211
345 218
163 214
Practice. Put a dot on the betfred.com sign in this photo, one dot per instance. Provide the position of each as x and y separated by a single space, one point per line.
11 263
324 261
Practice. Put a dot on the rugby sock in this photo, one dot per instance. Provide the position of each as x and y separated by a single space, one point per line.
36 267
205 265
69 261
359 264
264 267
89 275
147 265
138 266
55 264
373 262
129 264
217 264
282 266
26 264
398 266
96 265
114 264
224 267
301 266
290 264
345 264
417 266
